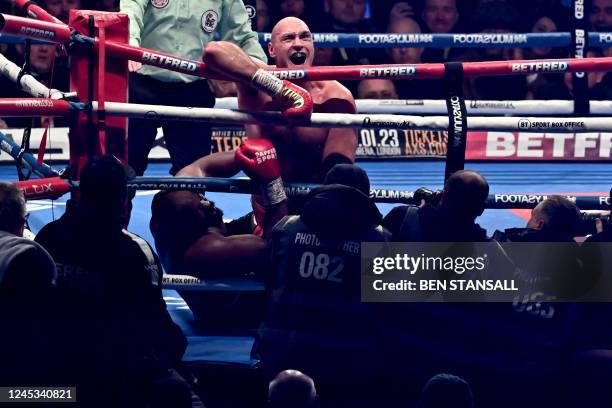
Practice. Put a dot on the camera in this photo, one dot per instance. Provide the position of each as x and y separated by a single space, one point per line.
429 196
586 226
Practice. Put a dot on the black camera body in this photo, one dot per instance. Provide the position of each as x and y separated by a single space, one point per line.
427 195
586 225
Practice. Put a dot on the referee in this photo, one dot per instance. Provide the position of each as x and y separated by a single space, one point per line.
181 28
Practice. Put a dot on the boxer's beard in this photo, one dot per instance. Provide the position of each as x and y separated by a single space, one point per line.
214 216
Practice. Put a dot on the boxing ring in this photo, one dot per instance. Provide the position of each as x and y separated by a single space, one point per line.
515 187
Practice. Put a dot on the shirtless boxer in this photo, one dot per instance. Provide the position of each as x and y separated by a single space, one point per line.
189 232
305 154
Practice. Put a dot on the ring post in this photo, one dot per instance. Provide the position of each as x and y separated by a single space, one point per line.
85 143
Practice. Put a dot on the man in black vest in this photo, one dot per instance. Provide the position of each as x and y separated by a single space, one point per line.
316 322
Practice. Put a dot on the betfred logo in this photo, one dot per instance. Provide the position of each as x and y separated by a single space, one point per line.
168 62
387 72
579 9
554 66
32 32
290 74
539 146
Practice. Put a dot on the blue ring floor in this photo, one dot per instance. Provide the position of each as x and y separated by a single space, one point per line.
505 177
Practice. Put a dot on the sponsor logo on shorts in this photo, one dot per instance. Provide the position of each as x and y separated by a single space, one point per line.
387 72
555 66
167 61
159 3
33 32
210 19
567 124
290 74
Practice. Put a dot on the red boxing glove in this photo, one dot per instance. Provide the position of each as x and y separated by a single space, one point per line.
296 101
257 158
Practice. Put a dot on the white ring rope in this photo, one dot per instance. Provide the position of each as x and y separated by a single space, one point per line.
36 89
342 120
433 107
27 82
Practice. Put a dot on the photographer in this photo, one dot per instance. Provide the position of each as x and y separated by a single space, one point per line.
452 220
555 219
554 263
316 322
602 226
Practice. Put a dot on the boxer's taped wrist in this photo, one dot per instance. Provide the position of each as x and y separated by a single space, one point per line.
266 82
273 193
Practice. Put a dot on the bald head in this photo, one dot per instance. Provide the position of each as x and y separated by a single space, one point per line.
404 25
175 200
292 389
183 214
405 55
465 194
289 24
291 45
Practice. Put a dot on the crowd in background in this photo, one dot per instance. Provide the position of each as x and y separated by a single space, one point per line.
413 16
530 350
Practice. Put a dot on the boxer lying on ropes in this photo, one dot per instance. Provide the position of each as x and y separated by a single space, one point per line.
189 232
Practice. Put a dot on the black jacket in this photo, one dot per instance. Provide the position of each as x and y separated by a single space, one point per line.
316 320
431 224
109 283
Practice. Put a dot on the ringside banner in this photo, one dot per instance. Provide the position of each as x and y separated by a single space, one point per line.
392 143
538 146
